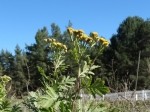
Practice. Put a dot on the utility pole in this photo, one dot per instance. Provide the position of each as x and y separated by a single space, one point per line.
137 71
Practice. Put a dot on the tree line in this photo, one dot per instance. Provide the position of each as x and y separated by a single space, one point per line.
119 61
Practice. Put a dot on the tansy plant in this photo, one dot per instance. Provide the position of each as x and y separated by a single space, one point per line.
82 44
62 91
5 103
3 81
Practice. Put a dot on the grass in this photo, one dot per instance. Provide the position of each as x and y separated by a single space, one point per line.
112 106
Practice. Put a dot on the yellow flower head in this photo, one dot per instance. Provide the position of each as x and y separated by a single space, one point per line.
45 40
55 43
76 32
94 34
5 78
59 44
53 40
106 43
84 36
102 40
70 30
89 39
80 32
65 47
49 40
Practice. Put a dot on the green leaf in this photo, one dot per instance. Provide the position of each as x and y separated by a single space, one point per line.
46 101
98 87
66 83
94 67
42 72
87 69
51 92
58 63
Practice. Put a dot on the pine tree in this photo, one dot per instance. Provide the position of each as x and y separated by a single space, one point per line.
37 56
7 62
121 58
19 79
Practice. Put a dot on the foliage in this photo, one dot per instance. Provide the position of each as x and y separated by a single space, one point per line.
55 98
15 67
97 87
18 74
62 66
120 59
129 106
37 56
5 104
62 92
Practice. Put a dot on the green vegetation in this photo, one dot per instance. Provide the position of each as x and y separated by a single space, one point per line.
52 73
121 58
61 93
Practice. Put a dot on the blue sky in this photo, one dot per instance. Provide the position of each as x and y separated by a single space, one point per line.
20 19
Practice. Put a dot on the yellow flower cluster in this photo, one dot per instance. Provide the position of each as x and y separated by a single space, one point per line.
50 40
94 37
5 78
56 44
79 34
104 41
